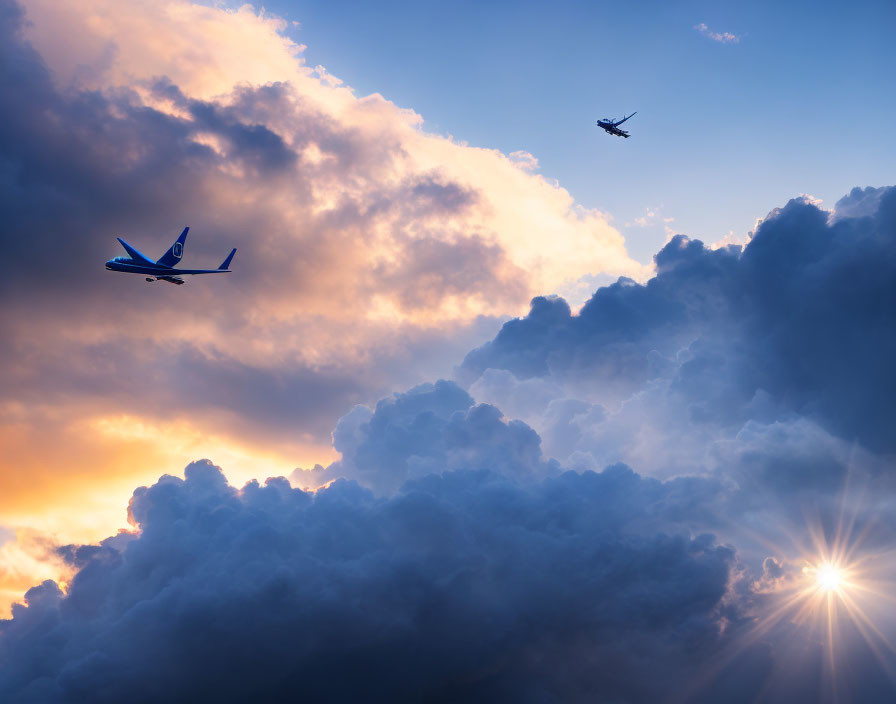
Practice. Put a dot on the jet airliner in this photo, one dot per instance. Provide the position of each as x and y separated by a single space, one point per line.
612 126
163 268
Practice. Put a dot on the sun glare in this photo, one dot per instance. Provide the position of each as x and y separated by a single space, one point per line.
828 577
836 587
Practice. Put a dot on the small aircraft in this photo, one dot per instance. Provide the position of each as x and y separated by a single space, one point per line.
612 126
162 269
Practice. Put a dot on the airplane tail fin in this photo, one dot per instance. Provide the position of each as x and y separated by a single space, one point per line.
226 263
176 252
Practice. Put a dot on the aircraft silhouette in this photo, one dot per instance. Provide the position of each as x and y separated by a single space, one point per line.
612 126
162 269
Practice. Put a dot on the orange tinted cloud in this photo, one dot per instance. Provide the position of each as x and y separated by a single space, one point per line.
67 477
371 254
209 51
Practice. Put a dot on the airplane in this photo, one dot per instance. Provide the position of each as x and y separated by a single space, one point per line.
162 269
612 126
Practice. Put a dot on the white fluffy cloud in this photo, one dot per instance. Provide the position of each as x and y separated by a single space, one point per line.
208 51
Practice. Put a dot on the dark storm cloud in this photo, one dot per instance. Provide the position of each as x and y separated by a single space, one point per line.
798 324
466 587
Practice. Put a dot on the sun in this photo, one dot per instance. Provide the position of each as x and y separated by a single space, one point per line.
828 577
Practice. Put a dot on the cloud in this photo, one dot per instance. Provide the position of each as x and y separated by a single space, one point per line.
721 37
757 369
430 429
321 190
449 554
465 586
372 253
461 583
524 160
355 139
647 219
796 324
860 202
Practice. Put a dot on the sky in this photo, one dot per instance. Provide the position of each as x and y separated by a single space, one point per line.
493 406
802 85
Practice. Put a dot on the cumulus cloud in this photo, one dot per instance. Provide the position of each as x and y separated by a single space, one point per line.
372 254
371 161
860 202
759 368
430 429
449 556
462 583
341 206
797 324
465 586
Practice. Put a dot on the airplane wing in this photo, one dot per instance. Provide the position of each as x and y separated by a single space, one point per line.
220 270
180 272
616 124
615 131
136 254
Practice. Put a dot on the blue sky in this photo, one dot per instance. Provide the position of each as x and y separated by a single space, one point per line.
802 103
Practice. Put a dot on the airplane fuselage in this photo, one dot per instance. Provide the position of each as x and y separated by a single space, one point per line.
129 266
133 267
610 128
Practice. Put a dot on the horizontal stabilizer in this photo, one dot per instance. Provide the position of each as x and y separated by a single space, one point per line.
226 264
